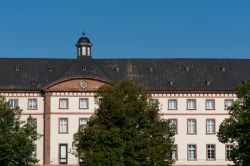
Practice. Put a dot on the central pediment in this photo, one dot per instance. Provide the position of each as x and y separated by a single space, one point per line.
79 84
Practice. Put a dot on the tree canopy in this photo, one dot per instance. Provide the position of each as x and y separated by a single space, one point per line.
17 138
125 130
236 129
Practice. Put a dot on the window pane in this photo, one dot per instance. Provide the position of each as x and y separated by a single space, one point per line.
229 149
63 128
13 103
32 104
211 152
228 103
172 104
210 104
191 152
153 101
63 153
174 153
173 124
211 126
191 104
191 126
63 103
84 103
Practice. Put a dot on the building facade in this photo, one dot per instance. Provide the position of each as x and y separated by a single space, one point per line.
60 94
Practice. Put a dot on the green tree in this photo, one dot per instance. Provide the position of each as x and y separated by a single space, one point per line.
236 129
125 130
17 138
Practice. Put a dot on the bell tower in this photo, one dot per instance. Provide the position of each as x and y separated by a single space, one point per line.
83 46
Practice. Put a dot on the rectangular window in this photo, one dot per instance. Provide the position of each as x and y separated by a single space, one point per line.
210 126
210 152
82 123
63 103
35 121
34 154
173 124
13 103
83 103
96 100
191 152
191 104
153 101
229 149
172 104
32 104
228 103
63 153
191 126
174 153
63 125
210 104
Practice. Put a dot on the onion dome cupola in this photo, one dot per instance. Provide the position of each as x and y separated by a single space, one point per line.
83 46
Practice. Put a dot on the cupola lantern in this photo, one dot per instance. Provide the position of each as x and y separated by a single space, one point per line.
83 46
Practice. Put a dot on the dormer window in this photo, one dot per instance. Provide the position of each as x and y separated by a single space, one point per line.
117 69
50 69
84 68
151 69
17 68
187 68
171 82
33 82
223 69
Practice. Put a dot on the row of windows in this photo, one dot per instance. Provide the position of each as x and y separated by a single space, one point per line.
63 103
84 103
210 152
191 152
32 103
64 127
192 126
191 103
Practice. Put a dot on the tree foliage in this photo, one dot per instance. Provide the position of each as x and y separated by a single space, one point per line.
125 130
17 138
236 129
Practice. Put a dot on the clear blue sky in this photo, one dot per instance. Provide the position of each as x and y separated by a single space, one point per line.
126 28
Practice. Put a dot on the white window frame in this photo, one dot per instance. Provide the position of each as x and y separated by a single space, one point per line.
32 104
81 101
210 126
175 153
229 148
174 124
63 153
210 104
211 152
63 103
172 104
63 126
191 126
82 123
13 103
191 104
228 103
191 152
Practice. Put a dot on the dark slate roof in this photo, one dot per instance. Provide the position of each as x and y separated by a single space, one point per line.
154 74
